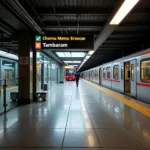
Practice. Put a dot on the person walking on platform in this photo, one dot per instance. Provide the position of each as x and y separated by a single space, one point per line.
77 75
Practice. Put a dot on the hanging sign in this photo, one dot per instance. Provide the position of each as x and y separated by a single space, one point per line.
63 42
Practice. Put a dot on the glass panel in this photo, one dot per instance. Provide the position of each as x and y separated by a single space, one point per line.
70 72
145 70
116 72
132 72
104 73
108 72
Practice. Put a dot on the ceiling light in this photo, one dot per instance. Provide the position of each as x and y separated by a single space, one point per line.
87 57
68 61
72 62
71 54
91 52
67 54
60 54
123 11
76 61
78 54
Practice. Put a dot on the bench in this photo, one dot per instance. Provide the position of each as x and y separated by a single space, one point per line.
42 95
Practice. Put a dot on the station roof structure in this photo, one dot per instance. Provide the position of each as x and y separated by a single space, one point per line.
78 17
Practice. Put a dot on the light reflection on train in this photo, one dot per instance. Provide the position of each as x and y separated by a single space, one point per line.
129 75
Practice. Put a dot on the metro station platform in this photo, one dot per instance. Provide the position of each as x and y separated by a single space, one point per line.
77 119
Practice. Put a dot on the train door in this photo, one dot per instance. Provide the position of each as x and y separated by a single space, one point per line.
100 76
122 77
127 86
133 77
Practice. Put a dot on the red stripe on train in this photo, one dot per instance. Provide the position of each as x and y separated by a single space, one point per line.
115 80
112 80
143 84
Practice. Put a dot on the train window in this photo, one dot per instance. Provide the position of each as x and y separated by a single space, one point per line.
104 73
132 72
145 70
108 72
96 73
122 72
116 72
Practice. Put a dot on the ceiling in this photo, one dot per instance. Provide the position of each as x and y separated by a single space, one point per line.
77 17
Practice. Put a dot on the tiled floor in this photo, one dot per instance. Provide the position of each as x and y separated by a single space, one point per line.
82 118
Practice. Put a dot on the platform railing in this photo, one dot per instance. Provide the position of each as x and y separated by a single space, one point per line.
9 93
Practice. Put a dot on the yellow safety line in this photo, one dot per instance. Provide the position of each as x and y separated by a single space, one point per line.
140 108
11 88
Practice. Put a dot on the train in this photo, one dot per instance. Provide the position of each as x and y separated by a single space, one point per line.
70 74
129 75
9 65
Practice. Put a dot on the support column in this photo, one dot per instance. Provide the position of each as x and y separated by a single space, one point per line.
34 76
61 74
25 70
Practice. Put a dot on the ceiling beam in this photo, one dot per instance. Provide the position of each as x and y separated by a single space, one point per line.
72 10
9 47
123 36
71 58
75 27
74 23
6 28
115 46
121 41
18 10
141 24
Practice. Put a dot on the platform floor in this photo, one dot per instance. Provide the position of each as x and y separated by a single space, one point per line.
82 118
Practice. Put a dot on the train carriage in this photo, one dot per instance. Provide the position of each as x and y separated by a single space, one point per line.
129 75
106 75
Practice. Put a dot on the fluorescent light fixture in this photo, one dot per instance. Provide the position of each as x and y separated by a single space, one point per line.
87 57
67 54
72 62
91 52
123 11
71 54
76 61
60 54
78 54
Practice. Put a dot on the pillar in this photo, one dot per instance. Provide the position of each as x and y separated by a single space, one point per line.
34 76
61 74
25 70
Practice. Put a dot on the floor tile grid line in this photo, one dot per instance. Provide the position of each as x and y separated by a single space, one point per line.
92 124
66 124
134 140
138 107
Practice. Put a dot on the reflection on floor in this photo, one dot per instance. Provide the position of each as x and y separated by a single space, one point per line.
75 118
10 104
